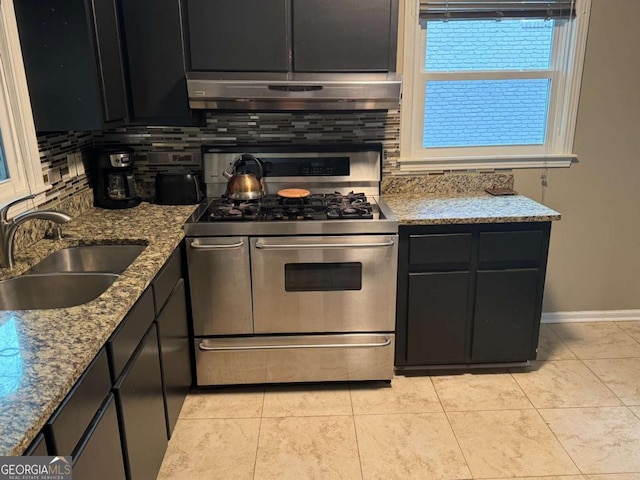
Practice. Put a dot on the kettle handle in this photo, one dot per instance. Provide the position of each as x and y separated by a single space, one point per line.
229 172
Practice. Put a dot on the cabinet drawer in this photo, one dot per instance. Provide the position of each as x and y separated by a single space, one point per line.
166 280
70 421
126 338
440 249
510 246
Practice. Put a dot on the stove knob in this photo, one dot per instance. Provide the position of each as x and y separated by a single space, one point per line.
308 216
277 216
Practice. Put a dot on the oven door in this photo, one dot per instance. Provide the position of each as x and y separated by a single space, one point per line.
220 285
320 284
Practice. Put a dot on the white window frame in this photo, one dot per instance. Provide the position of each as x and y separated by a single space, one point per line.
16 120
569 47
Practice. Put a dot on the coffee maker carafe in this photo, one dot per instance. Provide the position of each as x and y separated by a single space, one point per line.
115 185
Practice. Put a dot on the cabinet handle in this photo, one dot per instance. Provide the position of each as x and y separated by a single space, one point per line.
323 245
199 246
205 348
295 88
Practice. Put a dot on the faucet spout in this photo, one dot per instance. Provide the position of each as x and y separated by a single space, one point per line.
51 215
8 228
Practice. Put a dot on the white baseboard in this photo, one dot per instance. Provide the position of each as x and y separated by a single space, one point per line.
592 316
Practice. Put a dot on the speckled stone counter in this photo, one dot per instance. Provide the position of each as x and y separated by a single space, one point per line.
44 352
471 207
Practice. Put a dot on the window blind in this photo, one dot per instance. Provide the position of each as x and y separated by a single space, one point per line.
495 9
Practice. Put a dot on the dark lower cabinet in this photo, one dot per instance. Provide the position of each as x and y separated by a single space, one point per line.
437 317
506 315
38 447
173 335
470 294
99 455
116 420
141 411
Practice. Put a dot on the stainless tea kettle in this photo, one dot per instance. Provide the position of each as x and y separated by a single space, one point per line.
244 185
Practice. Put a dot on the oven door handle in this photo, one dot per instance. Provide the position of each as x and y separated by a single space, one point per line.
205 348
200 246
289 246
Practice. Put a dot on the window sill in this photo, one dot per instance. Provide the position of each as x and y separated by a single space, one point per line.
433 164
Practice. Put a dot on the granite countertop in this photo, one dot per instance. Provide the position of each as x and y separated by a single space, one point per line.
470 207
44 352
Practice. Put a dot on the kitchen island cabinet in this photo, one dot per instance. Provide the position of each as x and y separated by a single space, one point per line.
470 294
471 272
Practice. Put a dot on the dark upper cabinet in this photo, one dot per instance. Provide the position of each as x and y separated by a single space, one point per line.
238 35
155 62
292 35
344 35
73 63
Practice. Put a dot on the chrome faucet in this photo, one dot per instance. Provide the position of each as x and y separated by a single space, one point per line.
8 228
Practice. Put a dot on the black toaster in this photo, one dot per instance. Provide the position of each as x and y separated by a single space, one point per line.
177 188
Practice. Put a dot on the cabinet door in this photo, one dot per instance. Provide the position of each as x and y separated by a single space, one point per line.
59 60
141 409
220 285
153 42
99 455
173 334
107 35
69 422
238 35
506 313
344 35
437 318
38 447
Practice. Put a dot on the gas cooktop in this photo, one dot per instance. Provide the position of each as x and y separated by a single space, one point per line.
331 206
343 182
351 213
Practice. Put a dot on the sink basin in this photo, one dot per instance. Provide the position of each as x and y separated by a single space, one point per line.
59 290
90 258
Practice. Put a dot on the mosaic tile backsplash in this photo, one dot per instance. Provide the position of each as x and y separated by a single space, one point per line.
299 128
153 144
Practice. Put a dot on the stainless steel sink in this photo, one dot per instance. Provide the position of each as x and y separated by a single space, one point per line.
90 258
57 290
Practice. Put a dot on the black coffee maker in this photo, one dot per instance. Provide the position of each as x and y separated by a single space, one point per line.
115 186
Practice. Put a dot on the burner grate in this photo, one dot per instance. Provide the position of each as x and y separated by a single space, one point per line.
332 206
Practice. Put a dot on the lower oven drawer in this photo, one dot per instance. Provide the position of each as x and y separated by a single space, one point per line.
304 358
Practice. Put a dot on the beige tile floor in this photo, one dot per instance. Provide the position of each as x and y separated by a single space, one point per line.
574 415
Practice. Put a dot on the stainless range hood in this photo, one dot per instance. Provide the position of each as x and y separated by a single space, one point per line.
293 91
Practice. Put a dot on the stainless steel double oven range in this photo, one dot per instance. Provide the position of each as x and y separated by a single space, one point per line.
294 290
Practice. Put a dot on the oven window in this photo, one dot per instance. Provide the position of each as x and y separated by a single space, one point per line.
322 277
